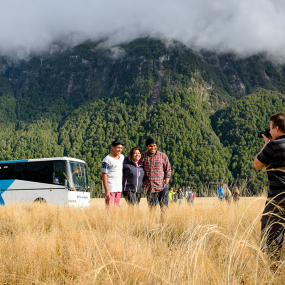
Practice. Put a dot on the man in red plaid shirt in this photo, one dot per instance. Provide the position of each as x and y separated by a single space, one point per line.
157 174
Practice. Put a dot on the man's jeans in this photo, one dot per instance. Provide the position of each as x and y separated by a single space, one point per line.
161 197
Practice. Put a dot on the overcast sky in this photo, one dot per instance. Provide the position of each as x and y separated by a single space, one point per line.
243 26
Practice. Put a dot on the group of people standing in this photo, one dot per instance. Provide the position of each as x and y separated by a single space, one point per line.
149 171
177 196
224 193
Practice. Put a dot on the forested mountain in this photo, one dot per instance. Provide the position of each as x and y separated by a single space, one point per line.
205 109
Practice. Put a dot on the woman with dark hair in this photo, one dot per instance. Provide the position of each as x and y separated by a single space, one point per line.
133 175
180 196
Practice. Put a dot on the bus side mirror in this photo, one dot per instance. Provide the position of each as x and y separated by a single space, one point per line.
65 182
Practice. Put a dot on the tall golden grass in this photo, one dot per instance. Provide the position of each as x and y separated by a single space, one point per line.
208 243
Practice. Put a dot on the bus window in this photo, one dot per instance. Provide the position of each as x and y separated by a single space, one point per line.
7 171
59 172
40 171
21 170
78 175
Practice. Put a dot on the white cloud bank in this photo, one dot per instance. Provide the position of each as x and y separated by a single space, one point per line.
242 26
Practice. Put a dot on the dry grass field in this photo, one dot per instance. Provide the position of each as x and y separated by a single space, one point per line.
209 243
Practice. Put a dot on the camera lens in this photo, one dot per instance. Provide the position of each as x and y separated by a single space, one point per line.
260 134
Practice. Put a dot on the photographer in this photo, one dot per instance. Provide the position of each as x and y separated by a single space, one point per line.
272 155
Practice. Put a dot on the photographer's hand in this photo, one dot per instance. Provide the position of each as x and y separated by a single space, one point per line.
266 139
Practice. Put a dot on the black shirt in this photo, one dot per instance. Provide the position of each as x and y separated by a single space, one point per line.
273 156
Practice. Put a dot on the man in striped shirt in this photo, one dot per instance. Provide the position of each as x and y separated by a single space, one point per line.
157 174
272 155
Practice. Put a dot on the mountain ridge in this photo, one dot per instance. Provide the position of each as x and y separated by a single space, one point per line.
76 102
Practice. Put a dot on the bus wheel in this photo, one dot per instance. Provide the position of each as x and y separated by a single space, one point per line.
40 200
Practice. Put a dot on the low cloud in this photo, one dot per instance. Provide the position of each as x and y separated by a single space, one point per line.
241 26
117 52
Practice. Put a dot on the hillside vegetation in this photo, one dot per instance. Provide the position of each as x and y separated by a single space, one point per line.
75 103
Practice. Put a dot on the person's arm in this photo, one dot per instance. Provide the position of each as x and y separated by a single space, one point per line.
167 180
167 170
104 174
257 163
105 184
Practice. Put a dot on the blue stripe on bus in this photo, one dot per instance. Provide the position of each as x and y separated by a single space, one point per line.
13 161
4 185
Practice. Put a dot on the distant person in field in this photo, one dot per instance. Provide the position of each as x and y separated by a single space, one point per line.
111 173
221 192
175 196
189 195
157 174
180 196
193 197
272 155
227 194
236 194
171 195
133 174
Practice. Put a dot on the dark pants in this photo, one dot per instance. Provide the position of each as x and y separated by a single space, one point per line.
272 236
132 198
161 197
272 229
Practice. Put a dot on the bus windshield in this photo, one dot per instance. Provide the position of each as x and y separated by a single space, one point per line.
78 175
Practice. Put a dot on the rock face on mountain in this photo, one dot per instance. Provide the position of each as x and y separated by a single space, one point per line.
241 76
200 106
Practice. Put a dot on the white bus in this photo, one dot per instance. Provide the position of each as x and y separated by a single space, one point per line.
58 180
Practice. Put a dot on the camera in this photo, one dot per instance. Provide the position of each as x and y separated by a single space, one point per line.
266 133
